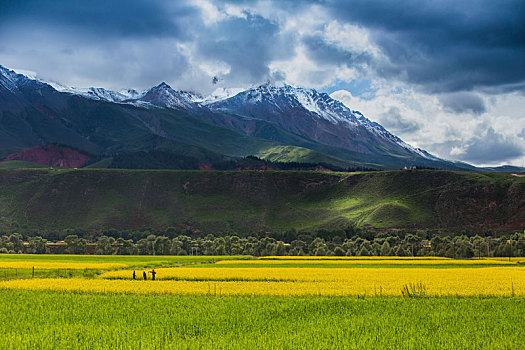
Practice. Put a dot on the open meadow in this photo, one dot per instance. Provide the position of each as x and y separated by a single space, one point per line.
273 302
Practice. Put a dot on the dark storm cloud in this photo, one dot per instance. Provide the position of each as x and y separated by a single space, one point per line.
442 46
486 148
463 102
247 45
445 45
492 147
115 44
128 42
115 18
323 52
393 120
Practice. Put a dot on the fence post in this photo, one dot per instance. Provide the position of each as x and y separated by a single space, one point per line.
33 272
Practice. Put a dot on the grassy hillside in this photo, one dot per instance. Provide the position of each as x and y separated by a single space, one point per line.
16 164
257 201
287 154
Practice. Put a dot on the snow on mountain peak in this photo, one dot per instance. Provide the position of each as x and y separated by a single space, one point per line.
164 95
313 101
273 85
220 94
130 93
8 78
27 73
13 79
98 94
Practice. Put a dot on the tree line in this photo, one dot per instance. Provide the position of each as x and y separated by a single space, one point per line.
157 159
385 244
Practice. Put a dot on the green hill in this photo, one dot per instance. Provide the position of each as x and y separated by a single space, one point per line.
250 202
16 164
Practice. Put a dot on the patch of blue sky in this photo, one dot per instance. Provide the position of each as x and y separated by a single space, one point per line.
359 88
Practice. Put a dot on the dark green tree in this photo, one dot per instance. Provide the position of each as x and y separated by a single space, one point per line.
37 245
338 251
106 245
162 245
385 249
75 245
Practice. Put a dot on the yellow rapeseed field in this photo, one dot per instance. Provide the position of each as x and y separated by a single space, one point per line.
59 265
367 277
288 257
514 259
490 281
376 261
359 275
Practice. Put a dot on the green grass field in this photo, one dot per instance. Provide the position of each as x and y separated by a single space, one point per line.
49 320
131 260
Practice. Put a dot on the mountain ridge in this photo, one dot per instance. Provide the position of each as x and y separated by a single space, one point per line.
251 122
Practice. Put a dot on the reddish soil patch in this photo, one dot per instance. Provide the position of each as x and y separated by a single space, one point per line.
51 155
204 166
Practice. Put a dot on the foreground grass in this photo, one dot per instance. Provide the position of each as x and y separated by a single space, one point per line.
50 320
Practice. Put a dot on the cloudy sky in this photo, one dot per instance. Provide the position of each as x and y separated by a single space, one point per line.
447 76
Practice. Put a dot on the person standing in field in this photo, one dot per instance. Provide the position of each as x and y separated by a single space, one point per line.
134 275
153 273
144 275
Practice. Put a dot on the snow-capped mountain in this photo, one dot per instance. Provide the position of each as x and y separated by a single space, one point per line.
102 94
13 81
18 77
315 115
275 112
17 90
163 95
284 97
219 94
